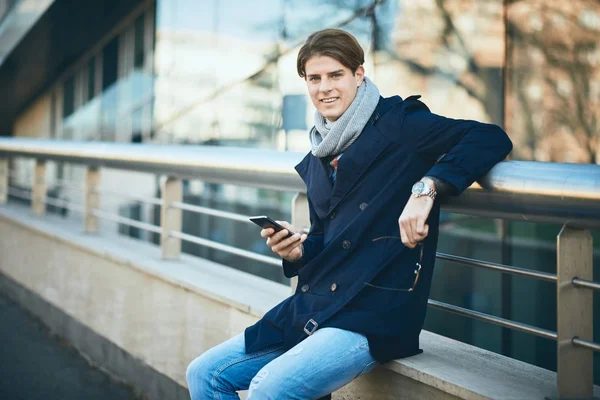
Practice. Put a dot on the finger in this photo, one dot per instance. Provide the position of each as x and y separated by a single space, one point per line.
419 225
293 248
412 231
285 224
289 250
267 232
285 243
420 237
425 231
403 234
277 237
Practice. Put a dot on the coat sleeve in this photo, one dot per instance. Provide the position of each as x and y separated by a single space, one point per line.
463 150
312 245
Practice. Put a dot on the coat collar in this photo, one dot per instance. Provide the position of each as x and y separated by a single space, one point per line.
356 160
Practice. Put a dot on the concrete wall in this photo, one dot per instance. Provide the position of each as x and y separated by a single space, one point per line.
145 319
35 122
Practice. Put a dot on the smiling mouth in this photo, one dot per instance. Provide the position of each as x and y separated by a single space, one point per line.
328 100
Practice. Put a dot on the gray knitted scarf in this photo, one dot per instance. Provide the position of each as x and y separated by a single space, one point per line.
334 138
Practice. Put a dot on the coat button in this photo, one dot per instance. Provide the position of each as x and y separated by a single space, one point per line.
363 206
346 244
304 288
333 287
332 216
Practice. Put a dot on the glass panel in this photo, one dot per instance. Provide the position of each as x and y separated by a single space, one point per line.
69 97
110 58
108 116
138 45
91 92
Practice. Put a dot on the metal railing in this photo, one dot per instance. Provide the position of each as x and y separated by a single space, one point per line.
568 194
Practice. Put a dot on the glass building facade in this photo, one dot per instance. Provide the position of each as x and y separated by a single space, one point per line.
223 73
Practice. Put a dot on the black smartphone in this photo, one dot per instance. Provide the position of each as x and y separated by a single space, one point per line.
265 222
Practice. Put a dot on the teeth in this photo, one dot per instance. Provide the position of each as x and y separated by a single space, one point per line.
328 100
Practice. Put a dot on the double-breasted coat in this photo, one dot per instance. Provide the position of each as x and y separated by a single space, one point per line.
345 279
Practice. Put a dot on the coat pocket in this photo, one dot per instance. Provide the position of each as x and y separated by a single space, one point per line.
401 276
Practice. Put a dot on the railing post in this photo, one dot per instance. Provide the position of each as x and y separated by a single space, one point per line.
300 220
574 314
38 192
170 218
3 180
92 199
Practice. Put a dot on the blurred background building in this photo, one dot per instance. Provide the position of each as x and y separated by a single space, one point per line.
222 73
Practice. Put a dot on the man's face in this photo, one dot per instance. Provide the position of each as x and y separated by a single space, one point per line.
332 87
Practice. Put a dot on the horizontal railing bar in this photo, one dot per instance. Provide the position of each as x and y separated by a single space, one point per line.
126 221
585 343
583 283
561 193
65 204
22 194
546 276
226 248
148 200
494 320
69 185
210 211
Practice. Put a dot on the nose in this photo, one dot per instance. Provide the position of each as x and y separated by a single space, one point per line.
325 85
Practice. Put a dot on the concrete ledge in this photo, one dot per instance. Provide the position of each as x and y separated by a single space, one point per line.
209 279
145 319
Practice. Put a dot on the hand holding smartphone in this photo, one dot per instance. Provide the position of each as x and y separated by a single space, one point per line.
265 222
289 248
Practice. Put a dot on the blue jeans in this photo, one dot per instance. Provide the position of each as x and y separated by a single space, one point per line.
319 365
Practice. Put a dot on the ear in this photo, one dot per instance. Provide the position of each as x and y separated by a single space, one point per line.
359 75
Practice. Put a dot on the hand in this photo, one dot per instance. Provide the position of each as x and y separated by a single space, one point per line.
413 228
291 249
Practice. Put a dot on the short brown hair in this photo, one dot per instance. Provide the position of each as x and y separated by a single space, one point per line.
334 43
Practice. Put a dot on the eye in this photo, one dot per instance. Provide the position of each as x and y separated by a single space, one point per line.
337 75
313 78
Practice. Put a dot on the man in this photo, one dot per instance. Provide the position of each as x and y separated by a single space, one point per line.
365 268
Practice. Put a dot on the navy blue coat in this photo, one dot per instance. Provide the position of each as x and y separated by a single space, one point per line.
403 142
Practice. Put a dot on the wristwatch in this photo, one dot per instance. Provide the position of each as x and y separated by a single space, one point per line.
422 189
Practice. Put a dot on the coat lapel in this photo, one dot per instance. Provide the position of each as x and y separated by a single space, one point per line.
319 187
356 160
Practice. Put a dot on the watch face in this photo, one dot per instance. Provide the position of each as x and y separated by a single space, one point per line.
418 187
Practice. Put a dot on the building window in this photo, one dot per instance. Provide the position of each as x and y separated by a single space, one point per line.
138 46
69 96
110 57
91 79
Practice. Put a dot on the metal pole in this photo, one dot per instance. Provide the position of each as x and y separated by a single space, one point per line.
92 199
574 314
301 221
38 199
170 218
506 285
3 180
